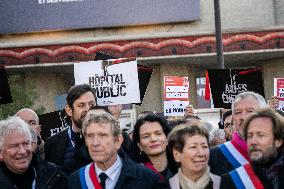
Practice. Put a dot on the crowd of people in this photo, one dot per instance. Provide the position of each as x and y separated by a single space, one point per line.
244 152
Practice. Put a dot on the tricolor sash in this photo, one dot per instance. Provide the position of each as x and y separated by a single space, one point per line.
234 154
88 178
245 178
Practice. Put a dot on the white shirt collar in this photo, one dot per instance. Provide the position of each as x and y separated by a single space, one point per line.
112 172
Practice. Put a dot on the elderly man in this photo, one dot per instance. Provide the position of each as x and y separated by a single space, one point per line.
19 168
233 154
109 169
31 118
66 148
264 134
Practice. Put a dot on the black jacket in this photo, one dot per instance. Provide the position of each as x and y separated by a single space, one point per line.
55 146
55 150
132 176
227 180
47 176
218 163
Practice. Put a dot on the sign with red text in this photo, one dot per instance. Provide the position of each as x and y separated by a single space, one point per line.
176 95
279 91
113 83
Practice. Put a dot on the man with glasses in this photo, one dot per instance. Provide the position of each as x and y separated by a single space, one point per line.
228 125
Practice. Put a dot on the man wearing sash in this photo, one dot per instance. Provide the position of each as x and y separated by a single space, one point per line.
19 167
109 168
233 154
264 134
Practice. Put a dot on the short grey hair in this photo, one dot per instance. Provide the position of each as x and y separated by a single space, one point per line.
13 124
216 133
261 101
94 116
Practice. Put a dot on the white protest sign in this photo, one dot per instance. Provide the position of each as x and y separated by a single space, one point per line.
114 84
175 107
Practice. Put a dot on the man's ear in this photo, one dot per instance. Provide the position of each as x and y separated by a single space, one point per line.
118 141
278 142
1 156
68 110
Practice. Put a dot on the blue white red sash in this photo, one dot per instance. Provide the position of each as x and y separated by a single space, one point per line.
233 154
245 178
88 178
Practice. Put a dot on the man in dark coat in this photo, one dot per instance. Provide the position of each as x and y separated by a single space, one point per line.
66 148
19 167
233 154
264 133
109 169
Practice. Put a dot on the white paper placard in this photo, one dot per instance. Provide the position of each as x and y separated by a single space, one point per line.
175 107
116 84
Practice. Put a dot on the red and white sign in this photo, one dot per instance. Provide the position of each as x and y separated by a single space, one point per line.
279 91
176 95
176 88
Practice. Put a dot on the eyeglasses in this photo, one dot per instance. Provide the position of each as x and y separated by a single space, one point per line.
228 125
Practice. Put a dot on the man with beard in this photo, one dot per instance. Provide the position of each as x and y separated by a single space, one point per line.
67 148
233 154
264 134
19 167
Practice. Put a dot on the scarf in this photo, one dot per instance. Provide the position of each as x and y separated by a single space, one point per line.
151 166
202 182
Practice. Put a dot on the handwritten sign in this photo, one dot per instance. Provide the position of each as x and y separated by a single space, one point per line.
175 107
114 84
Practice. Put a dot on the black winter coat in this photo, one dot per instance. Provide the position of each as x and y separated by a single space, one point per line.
47 176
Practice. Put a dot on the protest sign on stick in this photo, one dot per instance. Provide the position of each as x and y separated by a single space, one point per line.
176 96
226 84
113 83
279 92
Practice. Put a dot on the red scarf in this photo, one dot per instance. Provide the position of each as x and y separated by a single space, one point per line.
150 166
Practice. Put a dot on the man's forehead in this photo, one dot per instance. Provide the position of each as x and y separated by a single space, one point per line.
98 126
261 123
248 101
27 115
16 137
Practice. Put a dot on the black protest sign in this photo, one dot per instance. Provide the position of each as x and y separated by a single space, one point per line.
5 94
53 122
144 76
225 84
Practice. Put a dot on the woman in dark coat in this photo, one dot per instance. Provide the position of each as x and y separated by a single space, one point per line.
150 145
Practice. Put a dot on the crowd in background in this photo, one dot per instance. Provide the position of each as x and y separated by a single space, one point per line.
244 151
